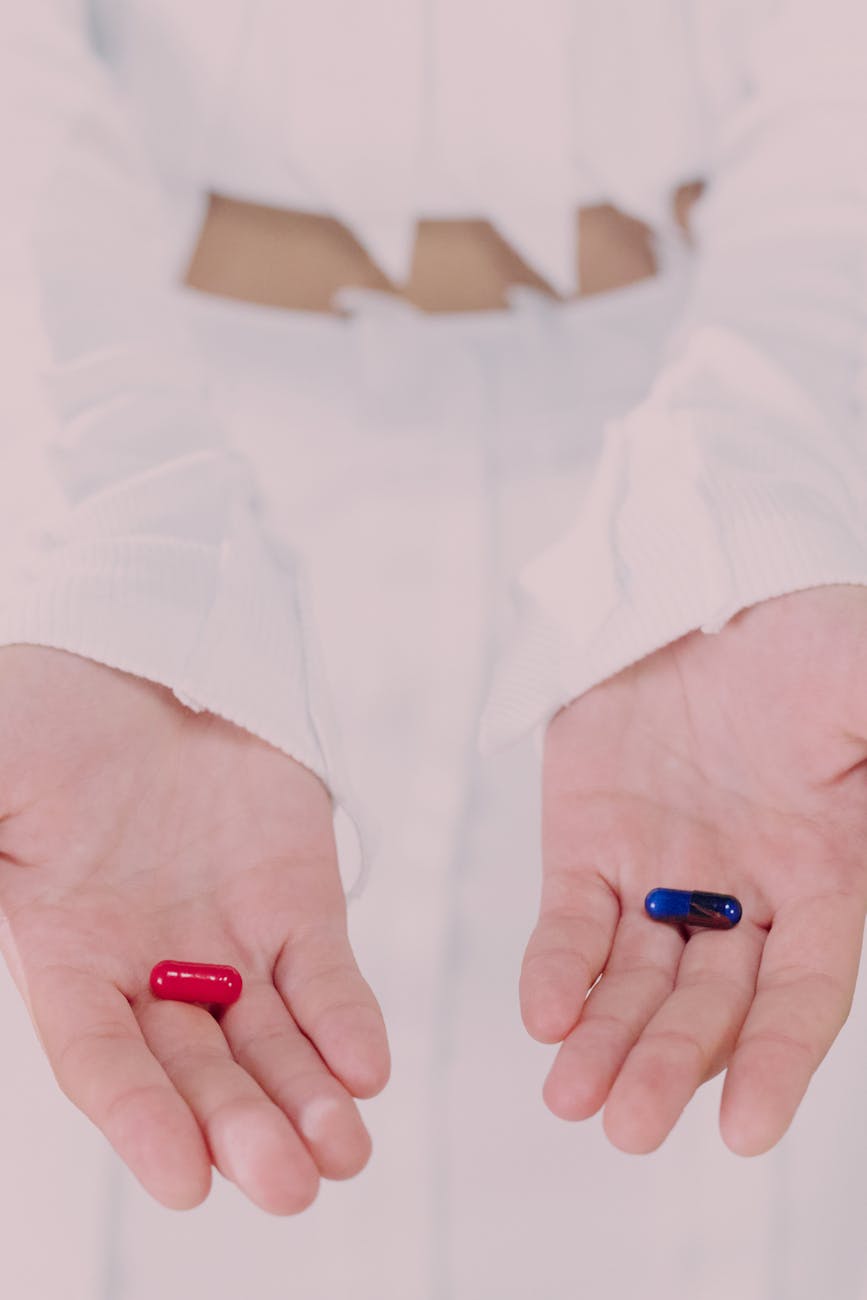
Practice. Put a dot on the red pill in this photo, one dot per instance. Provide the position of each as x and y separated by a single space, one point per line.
196 981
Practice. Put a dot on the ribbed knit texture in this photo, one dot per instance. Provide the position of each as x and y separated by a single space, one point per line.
160 564
743 473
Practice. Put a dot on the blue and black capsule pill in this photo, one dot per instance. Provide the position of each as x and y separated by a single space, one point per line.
693 907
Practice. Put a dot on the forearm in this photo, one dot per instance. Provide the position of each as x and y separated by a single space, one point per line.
159 564
742 474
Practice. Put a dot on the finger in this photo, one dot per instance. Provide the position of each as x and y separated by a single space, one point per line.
104 1066
568 948
804 993
688 1040
267 1043
319 981
638 977
250 1140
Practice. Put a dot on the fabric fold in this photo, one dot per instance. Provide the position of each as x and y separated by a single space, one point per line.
688 557
158 563
742 475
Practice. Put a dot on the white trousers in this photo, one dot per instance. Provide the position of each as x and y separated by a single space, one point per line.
413 462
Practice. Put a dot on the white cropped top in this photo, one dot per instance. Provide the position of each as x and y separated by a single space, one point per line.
740 476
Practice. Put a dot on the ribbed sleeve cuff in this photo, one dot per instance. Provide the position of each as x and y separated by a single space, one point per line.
654 557
221 625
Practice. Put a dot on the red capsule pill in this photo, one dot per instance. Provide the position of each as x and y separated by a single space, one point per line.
196 981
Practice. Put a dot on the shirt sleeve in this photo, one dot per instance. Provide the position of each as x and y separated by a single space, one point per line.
158 562
742 474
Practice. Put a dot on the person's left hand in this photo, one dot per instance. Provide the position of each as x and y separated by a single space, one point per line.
737 763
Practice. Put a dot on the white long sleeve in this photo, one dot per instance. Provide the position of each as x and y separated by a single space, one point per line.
158 564
743 473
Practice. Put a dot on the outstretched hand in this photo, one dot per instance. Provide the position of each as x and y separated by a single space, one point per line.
132 830
734 762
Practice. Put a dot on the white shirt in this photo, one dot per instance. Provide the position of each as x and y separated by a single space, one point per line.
742 474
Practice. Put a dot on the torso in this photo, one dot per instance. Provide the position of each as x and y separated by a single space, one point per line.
298 259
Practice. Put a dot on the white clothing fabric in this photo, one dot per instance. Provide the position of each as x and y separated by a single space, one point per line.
738 475
418 499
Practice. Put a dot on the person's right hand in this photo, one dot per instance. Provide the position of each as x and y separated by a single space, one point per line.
133 830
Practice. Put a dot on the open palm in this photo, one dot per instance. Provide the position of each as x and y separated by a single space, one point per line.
737 763
133 830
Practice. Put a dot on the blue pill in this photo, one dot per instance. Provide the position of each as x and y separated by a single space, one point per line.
693 907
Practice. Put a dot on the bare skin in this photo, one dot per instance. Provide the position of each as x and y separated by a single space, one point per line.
131 830
298 260
734 762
